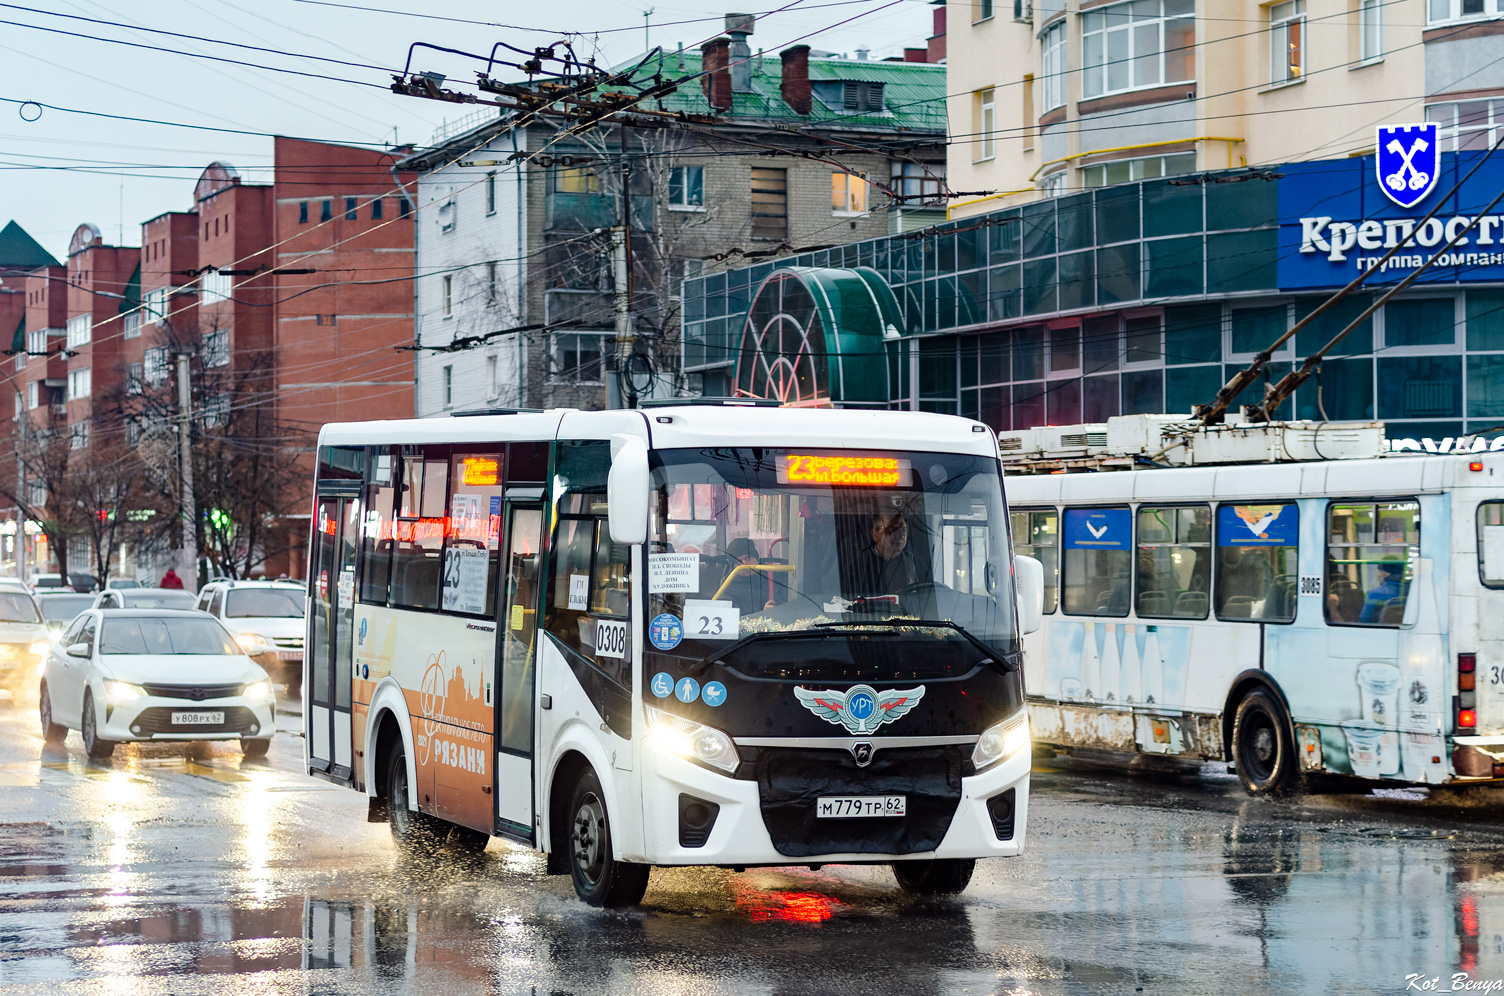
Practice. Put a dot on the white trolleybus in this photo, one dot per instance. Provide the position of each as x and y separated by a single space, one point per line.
687 635
1290 597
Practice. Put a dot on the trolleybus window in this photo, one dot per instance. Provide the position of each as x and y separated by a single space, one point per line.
1256 561
1370 557
1491 544
1036 533
1097 575
1174 562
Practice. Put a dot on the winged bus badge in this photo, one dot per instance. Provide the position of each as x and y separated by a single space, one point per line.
861 708
1408 163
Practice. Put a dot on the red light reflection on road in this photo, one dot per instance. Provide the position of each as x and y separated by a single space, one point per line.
792 907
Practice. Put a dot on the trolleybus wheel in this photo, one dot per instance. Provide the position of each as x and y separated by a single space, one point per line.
414 833
95 747
936 877
52 733
599 878
1261 746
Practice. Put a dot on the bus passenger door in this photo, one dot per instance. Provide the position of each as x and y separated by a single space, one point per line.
328 664
518 626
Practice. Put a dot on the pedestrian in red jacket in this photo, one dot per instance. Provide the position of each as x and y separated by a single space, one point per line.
171 580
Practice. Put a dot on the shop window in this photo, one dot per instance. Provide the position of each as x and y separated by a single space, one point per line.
1099 398
1254 329
1063 402
1325 326
1174 567
1036 533
1420 387
1098 553
1118 270
1485 320
1256 561
1242 261
1173 267
1370 559
1340 389
1143 392
1039 286
1170 209
1427 322
1187 387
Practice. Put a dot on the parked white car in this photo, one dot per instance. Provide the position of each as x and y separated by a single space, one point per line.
267 620
144 598
153 674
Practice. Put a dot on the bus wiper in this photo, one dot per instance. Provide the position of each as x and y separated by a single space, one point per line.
1008 662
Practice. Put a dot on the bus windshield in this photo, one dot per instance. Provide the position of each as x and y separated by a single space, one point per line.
749 541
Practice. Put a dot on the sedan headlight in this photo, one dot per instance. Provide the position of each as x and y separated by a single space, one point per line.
41 647
688 739
1001 741
251 643
123 691
257 690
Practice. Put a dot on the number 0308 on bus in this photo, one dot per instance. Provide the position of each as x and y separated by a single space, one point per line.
725 635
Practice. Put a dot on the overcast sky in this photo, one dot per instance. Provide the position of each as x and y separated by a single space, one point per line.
67 168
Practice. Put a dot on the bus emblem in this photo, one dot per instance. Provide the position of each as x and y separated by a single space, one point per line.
861 708
861 752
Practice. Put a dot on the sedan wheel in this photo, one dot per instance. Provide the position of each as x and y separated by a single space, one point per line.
96 748
52 733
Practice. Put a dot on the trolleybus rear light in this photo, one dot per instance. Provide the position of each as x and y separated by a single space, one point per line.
1467 719
1475 465
1467 663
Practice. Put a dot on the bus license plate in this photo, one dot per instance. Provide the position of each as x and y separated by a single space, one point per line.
197 718
860 805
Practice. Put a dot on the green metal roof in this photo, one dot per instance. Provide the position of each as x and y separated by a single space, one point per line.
131 298
913 92
19 251
18 341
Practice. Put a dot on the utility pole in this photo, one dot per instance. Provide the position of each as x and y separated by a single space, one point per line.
619 392
189 541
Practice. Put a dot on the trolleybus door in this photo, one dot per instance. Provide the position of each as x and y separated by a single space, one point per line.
515 705
328 662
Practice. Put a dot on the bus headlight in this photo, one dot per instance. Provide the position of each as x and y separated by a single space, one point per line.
1001 741
688 739
123 691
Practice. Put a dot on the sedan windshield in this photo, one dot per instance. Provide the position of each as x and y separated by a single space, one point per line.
62 608
154 598
264 603
754 541
165 636
17 607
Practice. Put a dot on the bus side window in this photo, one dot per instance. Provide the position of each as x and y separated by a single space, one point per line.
1037 534
418 540
590 578
376 534
1491 544
1098 545
1174 565
472 544
1256 561
1370 558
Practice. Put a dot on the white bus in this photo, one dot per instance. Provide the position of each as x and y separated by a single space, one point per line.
688 635
1293 598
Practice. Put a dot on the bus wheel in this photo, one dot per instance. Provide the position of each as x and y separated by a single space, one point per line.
599 878
936 877
1261 747
413 832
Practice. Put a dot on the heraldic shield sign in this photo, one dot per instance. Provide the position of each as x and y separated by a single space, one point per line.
817 336
1408 161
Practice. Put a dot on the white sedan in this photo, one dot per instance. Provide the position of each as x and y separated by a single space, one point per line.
163 674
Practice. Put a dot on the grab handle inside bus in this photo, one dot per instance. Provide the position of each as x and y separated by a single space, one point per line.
627 490
1028 582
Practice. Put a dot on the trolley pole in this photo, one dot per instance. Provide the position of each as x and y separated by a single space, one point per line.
189 541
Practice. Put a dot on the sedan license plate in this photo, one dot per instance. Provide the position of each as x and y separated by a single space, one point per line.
860 805
289 655
197 718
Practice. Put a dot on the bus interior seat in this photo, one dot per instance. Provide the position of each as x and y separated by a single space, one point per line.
1191 603
1394 612
1349 603
416 581
1238 607
1153 603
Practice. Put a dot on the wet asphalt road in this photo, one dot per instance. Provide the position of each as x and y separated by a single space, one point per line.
187 870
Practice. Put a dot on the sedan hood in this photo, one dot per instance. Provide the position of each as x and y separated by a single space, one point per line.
182 669
14 632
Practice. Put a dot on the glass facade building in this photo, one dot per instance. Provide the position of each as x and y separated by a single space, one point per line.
1148 296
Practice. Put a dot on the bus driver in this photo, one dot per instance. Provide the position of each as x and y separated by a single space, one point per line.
888 564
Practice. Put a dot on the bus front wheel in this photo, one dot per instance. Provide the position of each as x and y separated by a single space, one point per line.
936 877
1262 750
599 878
413 832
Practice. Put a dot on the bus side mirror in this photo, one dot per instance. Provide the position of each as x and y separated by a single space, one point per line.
1028 580
627 491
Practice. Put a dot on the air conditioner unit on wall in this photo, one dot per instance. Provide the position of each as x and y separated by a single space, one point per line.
1023 10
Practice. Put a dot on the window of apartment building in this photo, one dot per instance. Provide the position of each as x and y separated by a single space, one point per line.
491 192
861 97
1287 37
491 281
155 365
156 304
848 194
985 120
1053 184
376 208
33 395
1467 124
770 203
79 327
981 10
447 215
133 324
78 435
919 184
447 295
36 342
1052 67
217 287
1137 44
217 348
577 358
404 207
1026 113
1370 29
1451 10
216 411
326 210
133 378
80 384
493 386
352 210
447 385
686 188
1126 170
302 212
21 360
